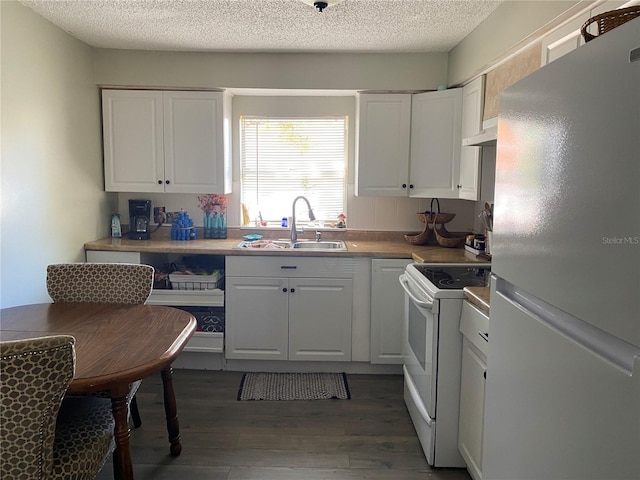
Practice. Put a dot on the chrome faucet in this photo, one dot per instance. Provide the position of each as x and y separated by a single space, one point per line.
312 217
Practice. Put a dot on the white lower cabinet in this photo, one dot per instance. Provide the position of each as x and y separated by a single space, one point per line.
258 313
473 324
387 310
288 308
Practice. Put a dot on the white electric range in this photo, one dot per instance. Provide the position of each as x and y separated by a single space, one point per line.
433 352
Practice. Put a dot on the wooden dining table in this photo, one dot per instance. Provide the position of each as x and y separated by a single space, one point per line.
115 346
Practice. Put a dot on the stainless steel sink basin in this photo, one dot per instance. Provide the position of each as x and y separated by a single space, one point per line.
322 245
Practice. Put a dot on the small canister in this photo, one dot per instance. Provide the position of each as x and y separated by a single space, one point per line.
470 239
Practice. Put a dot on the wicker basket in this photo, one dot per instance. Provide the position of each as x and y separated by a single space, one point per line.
421 238
609 20
447 239
429 217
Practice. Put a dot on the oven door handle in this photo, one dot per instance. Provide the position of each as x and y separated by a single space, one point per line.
404 281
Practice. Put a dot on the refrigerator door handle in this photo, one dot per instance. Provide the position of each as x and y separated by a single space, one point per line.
621 354
634 55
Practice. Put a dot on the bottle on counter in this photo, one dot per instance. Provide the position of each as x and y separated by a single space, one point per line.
116 228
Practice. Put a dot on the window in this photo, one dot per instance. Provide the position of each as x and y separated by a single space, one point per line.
282 158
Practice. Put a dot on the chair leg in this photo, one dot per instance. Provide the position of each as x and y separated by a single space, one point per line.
135 413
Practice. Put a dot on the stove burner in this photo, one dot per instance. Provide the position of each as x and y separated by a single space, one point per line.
455 278
461 282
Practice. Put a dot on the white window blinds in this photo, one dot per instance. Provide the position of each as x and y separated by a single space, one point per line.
282 158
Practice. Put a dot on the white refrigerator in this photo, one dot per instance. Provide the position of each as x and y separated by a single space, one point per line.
563 370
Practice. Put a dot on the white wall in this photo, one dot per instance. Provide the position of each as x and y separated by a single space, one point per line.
409 71
52 198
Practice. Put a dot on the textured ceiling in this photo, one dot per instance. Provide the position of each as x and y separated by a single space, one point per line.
378 26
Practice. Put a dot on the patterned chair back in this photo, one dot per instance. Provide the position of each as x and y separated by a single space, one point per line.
34 376
100 282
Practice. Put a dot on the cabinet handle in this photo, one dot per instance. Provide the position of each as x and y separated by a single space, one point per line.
484 374
411 185
459 186
293 290
284 290
404 185
159 182
288 267
167 182
484 335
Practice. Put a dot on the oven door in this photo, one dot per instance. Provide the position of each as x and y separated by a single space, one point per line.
420 352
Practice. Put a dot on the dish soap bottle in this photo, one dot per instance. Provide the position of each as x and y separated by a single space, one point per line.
116 230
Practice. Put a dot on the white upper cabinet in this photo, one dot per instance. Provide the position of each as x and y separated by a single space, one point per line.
195 147
470 157
434 167
563 40
408 145
133 140
172 141
383 129
569 37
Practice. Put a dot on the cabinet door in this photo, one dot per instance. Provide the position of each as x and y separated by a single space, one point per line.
194 142
256 316
563 40
320 319
132 135
434 168
382 144
471 423
470 157
387 310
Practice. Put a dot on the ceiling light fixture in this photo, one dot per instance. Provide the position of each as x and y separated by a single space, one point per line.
320 5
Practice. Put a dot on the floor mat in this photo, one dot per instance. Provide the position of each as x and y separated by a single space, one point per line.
293 386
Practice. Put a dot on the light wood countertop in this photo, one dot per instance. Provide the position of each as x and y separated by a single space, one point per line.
479 296
359 244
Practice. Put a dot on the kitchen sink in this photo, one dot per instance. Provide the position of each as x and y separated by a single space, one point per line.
321 245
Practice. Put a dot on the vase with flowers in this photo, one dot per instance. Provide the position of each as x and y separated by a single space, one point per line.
214 207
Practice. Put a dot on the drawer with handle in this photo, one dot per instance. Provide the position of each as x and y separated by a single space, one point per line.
474 325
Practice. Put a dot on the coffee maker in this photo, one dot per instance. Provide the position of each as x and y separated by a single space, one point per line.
139 219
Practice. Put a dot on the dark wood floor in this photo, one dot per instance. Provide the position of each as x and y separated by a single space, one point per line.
368 437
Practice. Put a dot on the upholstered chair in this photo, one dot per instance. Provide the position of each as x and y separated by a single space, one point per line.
126 283
43 435
122 283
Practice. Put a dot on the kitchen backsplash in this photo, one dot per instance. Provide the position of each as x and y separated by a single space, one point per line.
363 213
